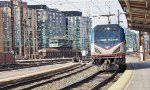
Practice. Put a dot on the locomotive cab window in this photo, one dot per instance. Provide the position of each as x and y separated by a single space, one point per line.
107 36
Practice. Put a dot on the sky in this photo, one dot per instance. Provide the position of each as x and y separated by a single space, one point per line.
91 8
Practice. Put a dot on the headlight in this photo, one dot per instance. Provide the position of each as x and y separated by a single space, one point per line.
97 51
117 50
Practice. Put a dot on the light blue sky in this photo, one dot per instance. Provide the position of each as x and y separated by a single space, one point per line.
88 8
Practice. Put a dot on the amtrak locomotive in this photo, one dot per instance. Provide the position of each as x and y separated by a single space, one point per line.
108 45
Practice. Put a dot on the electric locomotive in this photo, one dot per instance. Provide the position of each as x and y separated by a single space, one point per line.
108 45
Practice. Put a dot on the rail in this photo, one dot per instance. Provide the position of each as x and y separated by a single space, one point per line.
45 77
84 80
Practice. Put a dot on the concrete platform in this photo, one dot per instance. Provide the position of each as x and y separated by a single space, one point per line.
141 77
136 77
8 77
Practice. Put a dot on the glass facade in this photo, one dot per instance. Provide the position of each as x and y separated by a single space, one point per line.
19 17
6 33
31 34
50 24
78 31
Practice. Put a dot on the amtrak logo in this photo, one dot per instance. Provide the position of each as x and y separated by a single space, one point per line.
107 47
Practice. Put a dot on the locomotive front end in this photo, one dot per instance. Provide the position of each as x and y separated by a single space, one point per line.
108 44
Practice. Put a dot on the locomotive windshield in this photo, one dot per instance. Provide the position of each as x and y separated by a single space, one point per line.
108 36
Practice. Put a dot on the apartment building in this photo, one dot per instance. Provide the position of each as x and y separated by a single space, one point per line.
5 27
79 28
30 34
25 29
51 23
20 14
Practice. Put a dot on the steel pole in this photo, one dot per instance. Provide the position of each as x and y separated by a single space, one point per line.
12 30
142 49
118 17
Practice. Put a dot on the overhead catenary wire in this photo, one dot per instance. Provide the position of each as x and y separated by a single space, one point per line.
97 6
57 2
36 2
70 3
107 4
74 5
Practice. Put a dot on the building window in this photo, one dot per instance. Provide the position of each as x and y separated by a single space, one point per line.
53 14
7 43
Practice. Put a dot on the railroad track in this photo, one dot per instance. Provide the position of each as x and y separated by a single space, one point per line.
29 65
65 80
30 84
92 82
82 77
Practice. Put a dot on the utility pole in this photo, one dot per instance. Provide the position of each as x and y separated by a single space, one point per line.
25 38
118 17
108 16
12 29
149 44
20 31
